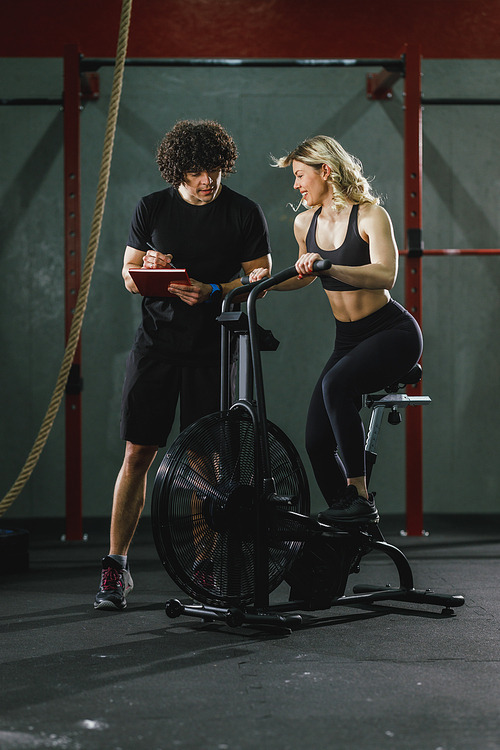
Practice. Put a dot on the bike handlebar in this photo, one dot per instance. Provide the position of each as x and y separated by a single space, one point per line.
287 273
256 287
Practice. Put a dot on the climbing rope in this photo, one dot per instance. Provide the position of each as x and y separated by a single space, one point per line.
88 267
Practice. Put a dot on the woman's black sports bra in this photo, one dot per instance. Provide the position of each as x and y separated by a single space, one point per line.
354 251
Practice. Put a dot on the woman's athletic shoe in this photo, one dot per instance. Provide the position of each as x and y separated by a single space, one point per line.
204 574
349 507
116 583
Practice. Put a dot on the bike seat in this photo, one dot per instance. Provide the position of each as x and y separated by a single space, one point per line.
412 377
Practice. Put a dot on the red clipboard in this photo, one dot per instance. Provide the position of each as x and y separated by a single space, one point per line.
154 282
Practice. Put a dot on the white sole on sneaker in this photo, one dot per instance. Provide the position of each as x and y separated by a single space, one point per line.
106 604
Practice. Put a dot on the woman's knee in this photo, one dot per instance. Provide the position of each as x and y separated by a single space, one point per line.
338 388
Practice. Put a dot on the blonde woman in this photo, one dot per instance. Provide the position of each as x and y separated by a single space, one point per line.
377 341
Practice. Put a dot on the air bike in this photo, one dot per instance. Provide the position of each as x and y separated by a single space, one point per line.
230 505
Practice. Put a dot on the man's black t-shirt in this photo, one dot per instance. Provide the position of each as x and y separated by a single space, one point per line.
211 241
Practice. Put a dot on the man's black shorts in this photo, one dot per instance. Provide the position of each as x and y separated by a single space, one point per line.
150 394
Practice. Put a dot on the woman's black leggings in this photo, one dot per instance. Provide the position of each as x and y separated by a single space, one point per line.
369 354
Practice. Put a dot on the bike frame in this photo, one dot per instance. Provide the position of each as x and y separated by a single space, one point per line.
348 545
251 382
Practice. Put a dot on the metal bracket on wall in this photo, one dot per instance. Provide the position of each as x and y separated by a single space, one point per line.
379 85
415 242
90 86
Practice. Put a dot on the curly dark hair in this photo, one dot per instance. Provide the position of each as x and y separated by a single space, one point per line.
195 146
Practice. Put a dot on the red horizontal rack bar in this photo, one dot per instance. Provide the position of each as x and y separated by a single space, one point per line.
453 251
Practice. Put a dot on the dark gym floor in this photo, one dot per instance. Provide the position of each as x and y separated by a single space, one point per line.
392 676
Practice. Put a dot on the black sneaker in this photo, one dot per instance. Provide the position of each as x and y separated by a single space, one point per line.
349 507
116 583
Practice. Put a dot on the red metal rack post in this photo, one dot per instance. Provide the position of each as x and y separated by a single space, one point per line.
413 276
72 244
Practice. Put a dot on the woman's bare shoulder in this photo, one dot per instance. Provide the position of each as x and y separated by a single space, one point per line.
301 224
304 218
374 216
373 212
371 209
375 223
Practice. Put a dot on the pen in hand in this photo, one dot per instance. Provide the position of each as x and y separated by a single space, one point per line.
154 248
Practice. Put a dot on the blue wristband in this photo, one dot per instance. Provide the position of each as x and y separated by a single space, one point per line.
216 289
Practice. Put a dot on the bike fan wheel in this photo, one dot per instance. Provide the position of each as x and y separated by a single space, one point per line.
203 504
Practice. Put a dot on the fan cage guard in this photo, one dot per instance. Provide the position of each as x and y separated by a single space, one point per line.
203 503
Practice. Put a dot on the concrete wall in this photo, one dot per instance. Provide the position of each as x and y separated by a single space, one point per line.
267 111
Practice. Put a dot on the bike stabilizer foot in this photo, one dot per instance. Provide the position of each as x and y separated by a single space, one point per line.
376 593
234 617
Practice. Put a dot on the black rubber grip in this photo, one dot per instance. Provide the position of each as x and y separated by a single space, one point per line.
321 265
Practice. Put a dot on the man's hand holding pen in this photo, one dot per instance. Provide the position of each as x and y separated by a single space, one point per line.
155 259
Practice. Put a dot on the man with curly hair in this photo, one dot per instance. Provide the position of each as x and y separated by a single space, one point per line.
201 225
